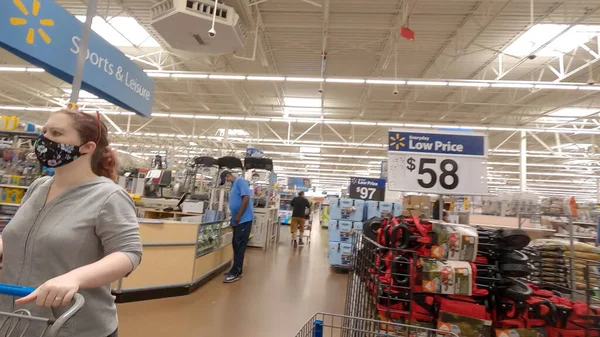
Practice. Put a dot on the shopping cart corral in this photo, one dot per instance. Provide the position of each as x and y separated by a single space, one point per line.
331 325
20 322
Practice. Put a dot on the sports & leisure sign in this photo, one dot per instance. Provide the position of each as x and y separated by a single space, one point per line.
44 34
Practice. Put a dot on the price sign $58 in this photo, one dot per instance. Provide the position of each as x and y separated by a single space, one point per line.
445 172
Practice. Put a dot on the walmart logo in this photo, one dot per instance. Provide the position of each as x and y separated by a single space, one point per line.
397 141
26 21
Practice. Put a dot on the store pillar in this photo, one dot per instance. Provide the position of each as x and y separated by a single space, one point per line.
523 163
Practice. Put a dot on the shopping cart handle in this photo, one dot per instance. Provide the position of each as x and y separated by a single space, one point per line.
14 290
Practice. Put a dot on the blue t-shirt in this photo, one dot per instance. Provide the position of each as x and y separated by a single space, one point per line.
240 189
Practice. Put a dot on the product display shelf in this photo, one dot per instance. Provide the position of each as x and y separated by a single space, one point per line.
265 228
567 226
285 207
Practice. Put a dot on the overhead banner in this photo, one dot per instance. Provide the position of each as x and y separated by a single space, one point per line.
300 184
367 189
44 34
437 162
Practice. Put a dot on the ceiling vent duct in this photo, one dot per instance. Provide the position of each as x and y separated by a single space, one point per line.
185 25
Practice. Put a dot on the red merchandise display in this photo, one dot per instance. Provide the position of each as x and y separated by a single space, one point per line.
393 259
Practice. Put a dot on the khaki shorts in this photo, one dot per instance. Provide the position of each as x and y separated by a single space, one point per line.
297 224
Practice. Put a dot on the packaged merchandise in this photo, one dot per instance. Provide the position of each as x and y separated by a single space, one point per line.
346 209
454 242
446 277
340 230
521 332
340 253
463 326
380 209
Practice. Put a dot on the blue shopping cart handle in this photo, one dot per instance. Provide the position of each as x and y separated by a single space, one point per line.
14 290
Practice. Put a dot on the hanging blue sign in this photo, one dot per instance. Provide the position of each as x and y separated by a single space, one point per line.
367 189
299 184
439 143
44 34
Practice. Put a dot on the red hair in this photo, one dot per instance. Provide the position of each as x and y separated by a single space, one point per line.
91 129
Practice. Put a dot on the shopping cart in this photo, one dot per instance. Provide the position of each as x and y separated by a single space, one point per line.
17 322
332 325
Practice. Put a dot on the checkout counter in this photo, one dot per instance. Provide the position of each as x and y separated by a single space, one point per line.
178 258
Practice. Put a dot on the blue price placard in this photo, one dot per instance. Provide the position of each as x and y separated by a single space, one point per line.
447 143
45 34
367 189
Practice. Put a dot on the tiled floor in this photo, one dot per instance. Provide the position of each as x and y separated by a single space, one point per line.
279 292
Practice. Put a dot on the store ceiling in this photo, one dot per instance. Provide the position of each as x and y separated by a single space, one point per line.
454 40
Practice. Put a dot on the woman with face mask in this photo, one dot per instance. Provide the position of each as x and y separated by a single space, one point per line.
74 232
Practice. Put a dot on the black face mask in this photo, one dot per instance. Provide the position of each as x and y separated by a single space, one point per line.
53 154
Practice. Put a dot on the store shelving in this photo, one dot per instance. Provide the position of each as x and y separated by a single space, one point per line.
285 207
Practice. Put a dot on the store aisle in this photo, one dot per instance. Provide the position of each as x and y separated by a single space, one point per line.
279 292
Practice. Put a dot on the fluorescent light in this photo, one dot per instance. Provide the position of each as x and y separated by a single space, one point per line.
345 80
589 87
206 117
35 70
179 75
550 86
310 149
390 124
304 79
122 31
227 77
540 34
157 74
427 126
395 82
512 85
13 69
266 78
258 119
433 83
469 84
232 118
181 116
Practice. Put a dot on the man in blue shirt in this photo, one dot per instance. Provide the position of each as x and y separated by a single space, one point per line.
242 215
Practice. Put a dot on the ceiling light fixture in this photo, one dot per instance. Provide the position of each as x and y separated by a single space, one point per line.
345 80
266 78
432 83
178 75
304 79
226 77
394 82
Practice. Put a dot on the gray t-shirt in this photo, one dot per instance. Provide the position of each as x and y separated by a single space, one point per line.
81 226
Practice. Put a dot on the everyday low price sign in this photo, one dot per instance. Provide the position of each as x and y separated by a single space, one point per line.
44 34
367 189
437 162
